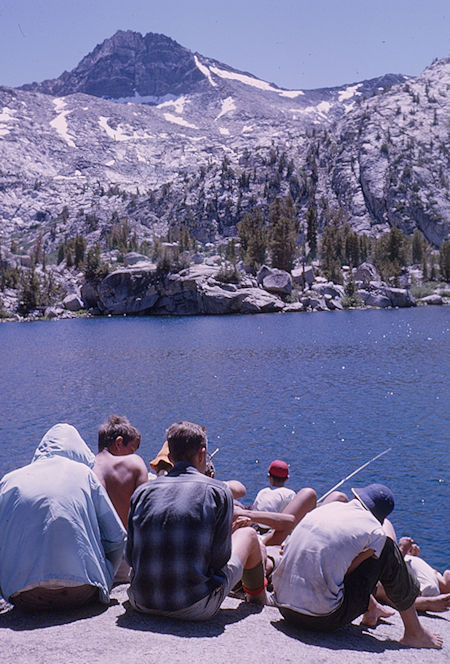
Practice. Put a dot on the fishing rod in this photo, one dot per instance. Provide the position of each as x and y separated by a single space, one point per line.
353 473
214 453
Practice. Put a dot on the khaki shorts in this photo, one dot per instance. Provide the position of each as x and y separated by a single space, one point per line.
208 606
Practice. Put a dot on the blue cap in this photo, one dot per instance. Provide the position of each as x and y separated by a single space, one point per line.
377 498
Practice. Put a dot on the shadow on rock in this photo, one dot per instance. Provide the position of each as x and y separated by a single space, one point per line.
351 637
131 619
20 621
437 616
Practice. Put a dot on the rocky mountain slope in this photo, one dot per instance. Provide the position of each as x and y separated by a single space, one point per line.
390 157
145 129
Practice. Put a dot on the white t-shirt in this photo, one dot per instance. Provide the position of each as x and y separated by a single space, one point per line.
273 499
425 574
310 577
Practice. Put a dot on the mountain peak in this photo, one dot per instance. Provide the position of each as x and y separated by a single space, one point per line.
129 64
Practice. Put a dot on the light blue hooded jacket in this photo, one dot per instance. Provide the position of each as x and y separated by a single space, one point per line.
56 520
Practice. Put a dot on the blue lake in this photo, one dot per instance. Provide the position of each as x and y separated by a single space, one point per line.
323 391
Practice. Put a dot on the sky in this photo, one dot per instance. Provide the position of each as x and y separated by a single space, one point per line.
297 44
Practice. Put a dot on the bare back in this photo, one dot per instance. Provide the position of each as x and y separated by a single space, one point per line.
120 475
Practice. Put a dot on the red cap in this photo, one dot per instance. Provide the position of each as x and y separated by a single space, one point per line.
279 468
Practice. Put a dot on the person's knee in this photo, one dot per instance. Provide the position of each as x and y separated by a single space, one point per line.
244 540
309 497
246 545
336 497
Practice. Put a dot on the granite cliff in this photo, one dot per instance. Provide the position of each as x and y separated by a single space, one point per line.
203 143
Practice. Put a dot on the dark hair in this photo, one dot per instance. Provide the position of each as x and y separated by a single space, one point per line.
278 481
116 425
185 439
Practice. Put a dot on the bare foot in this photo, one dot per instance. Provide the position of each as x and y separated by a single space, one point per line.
438 604
375 612
422 639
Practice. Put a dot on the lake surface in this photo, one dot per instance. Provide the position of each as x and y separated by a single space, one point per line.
323 391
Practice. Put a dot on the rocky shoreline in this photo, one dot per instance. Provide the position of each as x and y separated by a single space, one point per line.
239 632
139 288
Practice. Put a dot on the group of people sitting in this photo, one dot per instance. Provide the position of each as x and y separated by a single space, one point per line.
73 523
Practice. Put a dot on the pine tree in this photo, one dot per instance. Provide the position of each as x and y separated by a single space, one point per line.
283 233
95 269
253 236
80 248
444 261
230 251
364 247
433 271
311 230
331 251
61 253
352 253
30 294
417 247
395 239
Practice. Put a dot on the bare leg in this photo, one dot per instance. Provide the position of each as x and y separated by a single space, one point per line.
374 612
444 581
336 496
245 544
300 505
438 603
415 635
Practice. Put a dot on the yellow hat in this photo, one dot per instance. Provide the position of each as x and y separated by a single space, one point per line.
163 455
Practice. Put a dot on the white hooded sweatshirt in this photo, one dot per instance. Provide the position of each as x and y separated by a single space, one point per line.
57 522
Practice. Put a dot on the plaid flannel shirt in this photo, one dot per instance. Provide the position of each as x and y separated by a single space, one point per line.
179 538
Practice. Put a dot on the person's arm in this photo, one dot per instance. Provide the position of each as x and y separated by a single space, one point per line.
221 544
361 557
130 534
112 532
237 488
275 520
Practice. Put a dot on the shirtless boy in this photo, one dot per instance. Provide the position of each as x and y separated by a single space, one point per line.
117 466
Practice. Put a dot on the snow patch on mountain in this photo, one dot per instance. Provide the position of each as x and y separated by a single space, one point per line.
60 123
205 71
144 99
323 107
254 82
115 134
291 94
243 78
349 92
179 121
178 104
228 105
6 115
